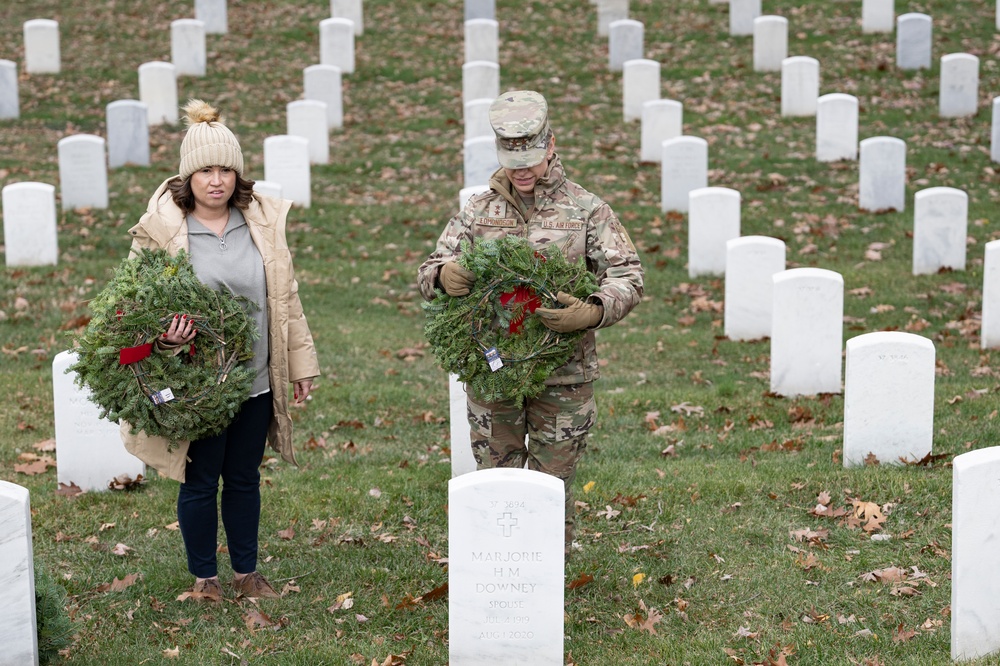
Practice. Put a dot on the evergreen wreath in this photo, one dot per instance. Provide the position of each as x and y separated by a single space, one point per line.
512 280
181 393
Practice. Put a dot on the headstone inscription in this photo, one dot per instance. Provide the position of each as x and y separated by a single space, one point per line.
662 119
989 332
307 118
482 40
836 127
352 10
476 9
10 102
959 93
713 220
913 41
807 332
882 173
128 133
770 43
799 86
18 631
187 47
214 14
286 162
89 449
683 168
83 172
476 118
888 398
940 225
41 47
751 263
609 11
505 568
741 16
640 84
625 42
877 15
480 80
29 224
158 91
323 83
975 587
479 160
336 44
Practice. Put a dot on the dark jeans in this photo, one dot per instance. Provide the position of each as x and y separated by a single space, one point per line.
234 455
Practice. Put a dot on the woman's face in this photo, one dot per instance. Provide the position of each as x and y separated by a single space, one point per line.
213 186
524 180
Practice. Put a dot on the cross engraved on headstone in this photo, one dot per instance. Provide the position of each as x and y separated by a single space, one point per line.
507 521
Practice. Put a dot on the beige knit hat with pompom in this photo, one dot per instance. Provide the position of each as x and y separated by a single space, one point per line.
208 142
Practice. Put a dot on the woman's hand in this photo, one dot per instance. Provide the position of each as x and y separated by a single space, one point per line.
302 388
180 332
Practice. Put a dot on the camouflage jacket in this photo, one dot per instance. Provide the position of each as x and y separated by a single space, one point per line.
564 215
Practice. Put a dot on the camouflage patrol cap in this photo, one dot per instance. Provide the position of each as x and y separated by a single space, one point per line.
520 120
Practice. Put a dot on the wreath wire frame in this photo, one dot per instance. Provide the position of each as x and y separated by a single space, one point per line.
461 330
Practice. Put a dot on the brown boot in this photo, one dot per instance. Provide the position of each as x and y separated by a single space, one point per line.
204 590
254 585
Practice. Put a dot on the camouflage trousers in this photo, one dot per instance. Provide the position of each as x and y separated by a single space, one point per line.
556 423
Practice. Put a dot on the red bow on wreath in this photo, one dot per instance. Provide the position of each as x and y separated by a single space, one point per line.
513 299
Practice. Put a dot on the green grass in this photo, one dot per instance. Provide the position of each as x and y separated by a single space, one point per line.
710 527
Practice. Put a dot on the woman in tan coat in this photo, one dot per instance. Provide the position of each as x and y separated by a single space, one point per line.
236 240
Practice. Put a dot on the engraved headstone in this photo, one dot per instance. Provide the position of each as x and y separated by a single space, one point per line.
214 14
799 86
307 118
336 44
10 102
975 587
286 162
158 91
462 460
128 133
267 188
882 174
18 630
83 172
609 11
770 43
888 398
741 16
41 47
29 224
482 40
713 220
751 263
480 9
640 84
959 94
877 15
989 332
913 41
683 168
89 449
625 42
479 160
836 127
505 568
187 47
807 332
323 83
940 225
662 119
476 118
352 10
480 80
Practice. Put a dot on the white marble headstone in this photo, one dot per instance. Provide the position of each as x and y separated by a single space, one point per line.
882 174
41 47
353 10
975 586
187 47
741 16
476 9
323 83
506 576
913 41
995 131
307 118
10 102
713 220
128 133
268 188
877 15
476 118
482 40
214 14
609 11
888 398
18 631
751 263
640 84
940 226
683 168
158 91
807 332
479 160
799 86
29 224
480 80
83 172
625 42
836 127
989 332
662 119
336 44
959 93
89 449
770 43
462 460
286 162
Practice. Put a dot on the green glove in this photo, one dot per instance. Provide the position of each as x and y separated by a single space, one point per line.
576 316
455 280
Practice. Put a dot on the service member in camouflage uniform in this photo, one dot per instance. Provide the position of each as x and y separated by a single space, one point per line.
530 197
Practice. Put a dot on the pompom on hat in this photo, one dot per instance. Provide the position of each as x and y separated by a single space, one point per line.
208 142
